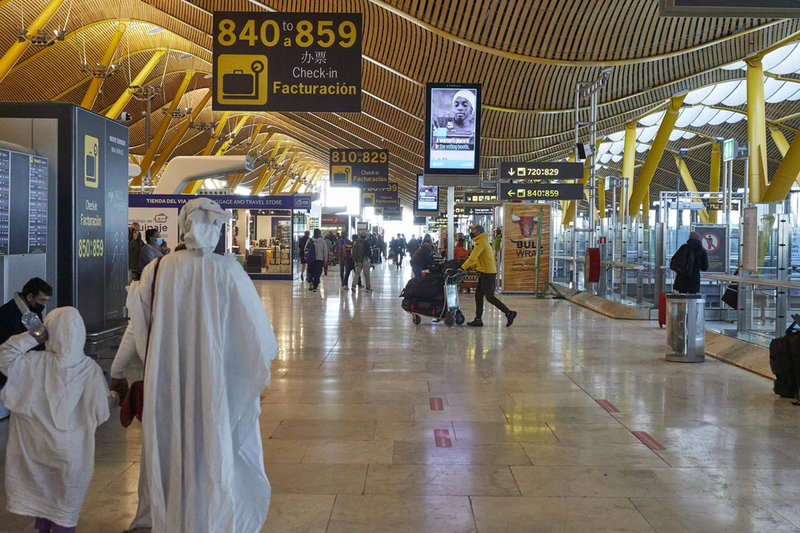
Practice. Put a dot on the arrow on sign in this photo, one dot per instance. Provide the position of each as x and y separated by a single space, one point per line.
511 172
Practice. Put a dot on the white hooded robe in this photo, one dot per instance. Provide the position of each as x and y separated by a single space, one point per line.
57 399
210 348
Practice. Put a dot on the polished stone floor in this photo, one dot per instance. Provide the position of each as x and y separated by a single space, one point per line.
373 425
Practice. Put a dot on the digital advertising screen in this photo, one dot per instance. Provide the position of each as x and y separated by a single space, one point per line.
452 134
427 197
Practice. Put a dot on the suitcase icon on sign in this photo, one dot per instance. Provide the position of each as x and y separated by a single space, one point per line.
341 174
243 85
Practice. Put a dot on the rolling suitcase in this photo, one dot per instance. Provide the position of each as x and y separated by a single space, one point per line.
662 309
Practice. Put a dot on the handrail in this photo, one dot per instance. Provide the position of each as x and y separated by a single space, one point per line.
753 281
618 264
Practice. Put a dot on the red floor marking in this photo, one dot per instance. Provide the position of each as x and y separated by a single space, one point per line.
647 440
605 404
442 438
436 404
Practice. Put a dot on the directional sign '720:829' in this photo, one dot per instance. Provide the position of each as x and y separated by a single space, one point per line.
287 61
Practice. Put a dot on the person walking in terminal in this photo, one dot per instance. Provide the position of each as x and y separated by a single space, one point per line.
135 245
320 261
301 244
482 260
199 325
57 398
362 253
423 257
33 298
412 246
151 250
695 258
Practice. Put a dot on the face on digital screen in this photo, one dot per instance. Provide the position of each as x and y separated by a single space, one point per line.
453 117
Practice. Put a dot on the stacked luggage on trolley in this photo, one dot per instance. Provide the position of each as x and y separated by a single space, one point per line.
435 295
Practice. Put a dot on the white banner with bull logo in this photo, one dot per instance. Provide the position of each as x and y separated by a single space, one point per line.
521 240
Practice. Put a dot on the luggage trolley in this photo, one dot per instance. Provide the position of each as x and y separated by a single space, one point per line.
451 310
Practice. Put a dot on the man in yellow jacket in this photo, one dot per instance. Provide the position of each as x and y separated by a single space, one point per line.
482 260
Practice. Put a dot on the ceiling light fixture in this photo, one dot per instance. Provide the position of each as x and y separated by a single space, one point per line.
42 38
155 30
100 71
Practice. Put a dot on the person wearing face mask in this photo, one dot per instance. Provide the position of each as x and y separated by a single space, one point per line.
152 250
482 260
34 297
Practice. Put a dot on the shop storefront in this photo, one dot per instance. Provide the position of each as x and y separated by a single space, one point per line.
262 234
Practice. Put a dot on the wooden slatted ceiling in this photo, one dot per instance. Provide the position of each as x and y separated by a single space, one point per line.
402 53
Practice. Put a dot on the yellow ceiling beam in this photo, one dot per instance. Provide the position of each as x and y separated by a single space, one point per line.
756 128
17 49
787 174
234 181
236 129
690 185
126 96
194 186
96 83
162 129
267 172
642 186
290 166
178 137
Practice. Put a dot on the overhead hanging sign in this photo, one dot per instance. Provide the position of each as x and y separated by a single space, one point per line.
287 61
535 191
730 8
541 171
427 197
452 133
480 196
359 168
375 197
390 214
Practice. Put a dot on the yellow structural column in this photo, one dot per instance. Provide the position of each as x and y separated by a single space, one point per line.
601 197
267 172
690 185
236 129
787 174
178 137
713 181
123 100
756 128
16 50
642 187
628 165
155 142
96 83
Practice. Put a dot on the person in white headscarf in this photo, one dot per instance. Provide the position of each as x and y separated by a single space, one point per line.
57 398
206 352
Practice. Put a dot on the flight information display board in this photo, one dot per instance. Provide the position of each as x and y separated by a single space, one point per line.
23 203
359 168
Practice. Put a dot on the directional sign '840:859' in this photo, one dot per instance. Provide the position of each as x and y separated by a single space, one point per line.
287 61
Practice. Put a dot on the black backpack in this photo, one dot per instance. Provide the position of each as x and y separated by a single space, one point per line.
784 361
683 261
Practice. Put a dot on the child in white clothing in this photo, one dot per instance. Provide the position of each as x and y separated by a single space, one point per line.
57 398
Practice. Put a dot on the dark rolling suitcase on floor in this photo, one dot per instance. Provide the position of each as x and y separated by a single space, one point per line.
784 361
662 309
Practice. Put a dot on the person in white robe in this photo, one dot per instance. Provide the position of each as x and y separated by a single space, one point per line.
206 354
57 398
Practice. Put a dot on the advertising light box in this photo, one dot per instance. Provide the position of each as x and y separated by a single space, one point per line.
452 129
305 62
427 198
